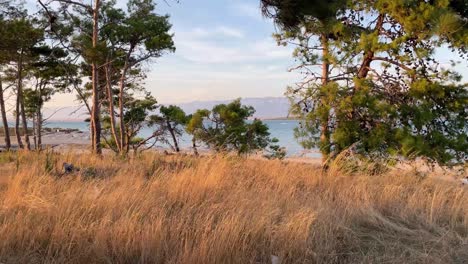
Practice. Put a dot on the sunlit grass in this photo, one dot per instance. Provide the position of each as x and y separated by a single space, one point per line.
182 209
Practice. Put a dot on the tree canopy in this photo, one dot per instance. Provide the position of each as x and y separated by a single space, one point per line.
380 90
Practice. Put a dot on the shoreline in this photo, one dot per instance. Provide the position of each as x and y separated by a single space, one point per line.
70 139
78 142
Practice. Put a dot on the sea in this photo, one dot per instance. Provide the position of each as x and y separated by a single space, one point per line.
283 130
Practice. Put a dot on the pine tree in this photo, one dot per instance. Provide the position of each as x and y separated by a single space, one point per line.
302 21
132 38
225 128
21 36
380 72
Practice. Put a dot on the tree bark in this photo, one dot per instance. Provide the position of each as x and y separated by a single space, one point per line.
39 118
17 122
369 55
4 118
21 102
95 114
325 133
171 130
194 146
39 129
34 130
123 142
364 69
111 109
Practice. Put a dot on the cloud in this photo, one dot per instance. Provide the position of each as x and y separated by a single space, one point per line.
209 52
248 10
217 32
225 44
230 32
204 46
199 32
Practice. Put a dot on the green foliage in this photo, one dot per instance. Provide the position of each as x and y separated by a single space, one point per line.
137 115
171 123
49 72
408 106
225 128
173 114
274 151
291 13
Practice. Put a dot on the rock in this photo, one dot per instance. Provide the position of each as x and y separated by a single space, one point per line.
275 259
68 168
464 181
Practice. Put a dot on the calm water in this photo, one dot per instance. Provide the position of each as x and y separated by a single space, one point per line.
281 129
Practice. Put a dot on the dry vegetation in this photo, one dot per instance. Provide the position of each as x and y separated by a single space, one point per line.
177 209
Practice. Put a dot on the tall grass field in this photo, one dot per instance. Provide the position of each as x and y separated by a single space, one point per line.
221 209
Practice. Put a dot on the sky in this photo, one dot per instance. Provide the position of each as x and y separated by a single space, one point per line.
224 50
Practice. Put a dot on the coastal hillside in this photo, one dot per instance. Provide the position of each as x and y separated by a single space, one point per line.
265 108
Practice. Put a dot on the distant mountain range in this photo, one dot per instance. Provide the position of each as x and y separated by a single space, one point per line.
266 108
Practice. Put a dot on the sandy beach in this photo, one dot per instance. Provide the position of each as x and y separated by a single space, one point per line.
57 138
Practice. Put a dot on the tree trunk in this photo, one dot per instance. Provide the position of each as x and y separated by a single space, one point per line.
325 133
95 114
34 130
364 69
121 104
127 146
39 129
194 146
111 109
4 119
171 130
369 55
39 118
17 122
21 102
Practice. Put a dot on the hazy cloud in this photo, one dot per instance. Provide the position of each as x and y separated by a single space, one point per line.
204 46
247 9
230 32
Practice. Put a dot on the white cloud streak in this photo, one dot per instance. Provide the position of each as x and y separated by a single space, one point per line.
247 10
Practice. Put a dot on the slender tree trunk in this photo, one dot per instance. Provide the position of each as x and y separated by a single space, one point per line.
96 120
91 130
39 118
95 115
17 122
325 133
34 130
39 129
4 118
194 146
127 146
121 104
21 102
111 109
171 130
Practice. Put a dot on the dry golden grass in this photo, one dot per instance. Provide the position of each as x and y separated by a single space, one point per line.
178 209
